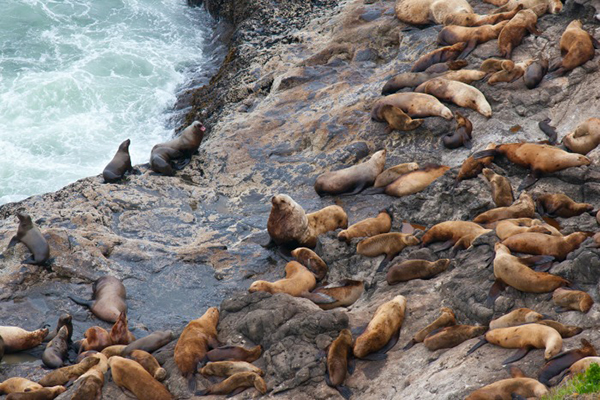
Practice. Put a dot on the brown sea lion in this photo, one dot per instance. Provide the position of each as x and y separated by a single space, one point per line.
298 280
472 166
85 354
150 343
459 93
459 233
228 368
510 227
563 361
447 318
585 138
561 205
415 269
89 385
502 193
421 12
368 227
108 300
383 330
63 375
395 117
312 261
516 317
415 181
235 353
40 394
472 19
389 244
391 174
566 331
182 147
338 356
119 333
415 105
16 385
327 219
236 384
540 7
194 341
414 79
453 34
339 294
31 236
510 72
452 336
288 223
461 136
119 165
535 72
149 363
96 338
507 389
130 375
542 244
18 339
452 65
576 300
114 350
522 208
63 320
576 48
56 351
351 180
513 33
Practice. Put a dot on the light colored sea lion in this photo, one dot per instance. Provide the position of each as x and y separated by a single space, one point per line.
114 350
235 353
522 208
89 385
414 79
421 12
40 394
119 333
576 48
150 343
338 357
516 317
96 338
288 224
194 341
561 205
566 331
132 376
298 280
18 339
585 138
542 244
535 72
505 389
56 351
513 33
119 165
339 294
182 147
65 374
576 300
228 368
415 181
459 93
460 233
453 34
540 7
502 192
327 219
389 244
510 227
383 329
415 269
391 174
312 261
351 180
16 385
31 236
510 72
563 361
108 300
462 135
395 117
447 318
149 363
368 227
582 365
416 105
235 384
452 336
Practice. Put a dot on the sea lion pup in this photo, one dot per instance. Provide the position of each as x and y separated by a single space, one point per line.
383 330
461 136
228 368
542 244
288 223
523 337
566 331
415 181
194 341
415 105
472 166
119 165
236 384
149 363
422 12
437 56
150 343
389 244
16 385
446 319
312 261
510 227
561 205
510 72
130 375
452 336
575 300
453 34
395 117
502 192
458 233
522 208
235 353
56 351
63 320
535 72
108 299
327 219
513 33
459 93
561 362
96 338
339 294
351 180
338 356
507 389
31 236
368 227
182 147
516 317
63 375
18 339
119 333
391 174
540 7
585 138
40 394
576 48
415 269
298 280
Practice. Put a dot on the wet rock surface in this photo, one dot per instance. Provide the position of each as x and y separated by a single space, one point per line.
282 111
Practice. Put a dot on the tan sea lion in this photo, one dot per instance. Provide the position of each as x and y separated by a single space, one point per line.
513 33
510 72
522 208
56 351
236 383
414 79
368 227
447 318
561 205
31 236
542 244
415 181
235 353
338 357
395 117
119 333
18 339
312 261
327 219
441 55
421 12
516 317
510 227
452 336
505 389
114 350
535 72
40 394
576 300
182 147
540 7
351 180
472 19
453 34
460 233
467 76
63 375
389 244
502 193
459 93
119 165
96 338
149 363
461 136
582 365
150 343
415 269
339 294
130 375
563 361
16 385
298 280
108 300
576 48
89 385
566 331
391 174
472 166
585 138
228 368
194 341
383 330
288 223
415 105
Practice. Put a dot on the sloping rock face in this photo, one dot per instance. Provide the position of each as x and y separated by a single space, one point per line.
282 111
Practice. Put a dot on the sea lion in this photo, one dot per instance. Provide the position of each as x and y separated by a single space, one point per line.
18 339
1 348
150 343
389 244
516 317
108 299
542 244
561 205
298 280
452 336
582 365
235 384
63 320
182 147
447 318
472 19
585 138
415 105
119 333
114 350
338 356
368 227
16 385
461 136
395 118
472 166
391 174
351 180
194 341
31 236
576 48
492 65
327 219
421 12
566 331
452 65
56 351
535 72
540 7
522 208
510 72
459 233
415 269
288 223
507 389
453 34
414 79
576 300
563 361
40 394
119 165
235 353
339 294
312 261
96 338
467 76
89 385
228 368
85 354
415 181
510 227
63 375
459 93
502 193
513 33
441 55
132 376
149 363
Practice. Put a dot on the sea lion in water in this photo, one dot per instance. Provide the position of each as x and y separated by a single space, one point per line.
119 165
63 320
542 244
576 300
415 269
18 339
338 356
119 333
522 208
150 343
149 363
182 147
368 227
510 72
458 233
339 294
563 361
389 244
56 351
395 117
40 394
516 317
228 368
391 174
235 353
351 180
510 227
16 385
63 375
327 219
447 318
415 181
453 34
561 205
194 341
535 72
96 338
576 47
415 105
132 376
585 138
472 166
461 136
459 93
108 299
31 236
383 330
502 193
312 261
452 336
441 55
508 389
235 384
288 223
298 280
513 33
582 365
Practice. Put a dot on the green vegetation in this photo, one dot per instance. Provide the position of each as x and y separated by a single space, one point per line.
588 382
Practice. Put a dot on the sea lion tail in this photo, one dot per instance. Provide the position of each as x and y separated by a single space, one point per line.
481 342
82 302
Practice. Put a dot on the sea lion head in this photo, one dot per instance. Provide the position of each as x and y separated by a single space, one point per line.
461 19
198 127
124 147
24 219
213 314
260 286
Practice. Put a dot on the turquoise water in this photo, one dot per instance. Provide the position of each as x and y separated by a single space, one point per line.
77 77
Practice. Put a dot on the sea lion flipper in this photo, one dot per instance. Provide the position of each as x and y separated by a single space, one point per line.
29 260
481 342
549 130
384 262
319 298
536 260
236 392
344 391
358 330
517 355
529 180
391 343
471 44
82 302
13 241
497 288
484 153
351 364
182 164
410 344
561 309
375 357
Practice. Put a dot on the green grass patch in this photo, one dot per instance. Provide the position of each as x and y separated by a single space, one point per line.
588 382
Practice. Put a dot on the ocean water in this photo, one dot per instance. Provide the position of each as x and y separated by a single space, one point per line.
77 77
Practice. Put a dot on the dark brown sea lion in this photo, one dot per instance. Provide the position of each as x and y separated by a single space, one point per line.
119 165
40 394
567 299
339 294
443 54
389 244
108 299
585 138
576 47
459 93
561 205
194 341
502 192
415 269
182 147
353 179
472 35
150 343
63 320
132 376
513 33
298 280
395 117
522 208
56 351
461 136
18 339
236 384
338 362
535 72
368 227
472 166
563 361
447 318
452 336
31 236
119 333
312 261
235 353
149 363
543 244
63 375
